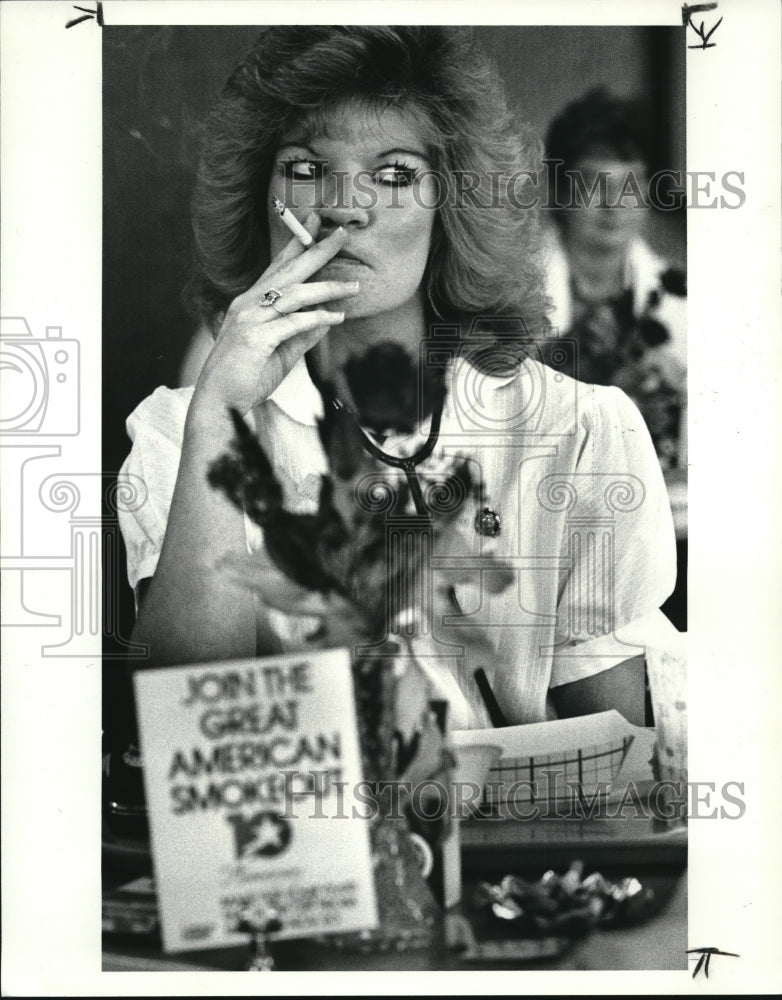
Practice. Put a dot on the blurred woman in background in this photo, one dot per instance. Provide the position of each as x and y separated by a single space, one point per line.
623 303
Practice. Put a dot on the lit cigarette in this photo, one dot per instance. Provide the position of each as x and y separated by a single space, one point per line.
292 222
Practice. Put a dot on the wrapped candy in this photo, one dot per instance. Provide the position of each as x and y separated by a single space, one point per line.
567 904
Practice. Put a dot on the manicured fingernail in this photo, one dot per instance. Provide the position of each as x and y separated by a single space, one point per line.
311 219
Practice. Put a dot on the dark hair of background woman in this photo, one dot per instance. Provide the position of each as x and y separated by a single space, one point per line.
484 261
599 125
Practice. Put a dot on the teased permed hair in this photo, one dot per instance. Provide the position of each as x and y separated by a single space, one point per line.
484 259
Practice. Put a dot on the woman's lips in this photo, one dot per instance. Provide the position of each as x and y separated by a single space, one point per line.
347 260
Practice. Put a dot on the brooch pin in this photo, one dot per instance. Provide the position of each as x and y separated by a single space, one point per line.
487 522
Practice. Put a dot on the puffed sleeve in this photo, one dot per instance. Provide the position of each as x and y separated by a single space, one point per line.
149 473
618 545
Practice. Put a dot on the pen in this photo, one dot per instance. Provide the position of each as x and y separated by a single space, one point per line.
495 712
290 220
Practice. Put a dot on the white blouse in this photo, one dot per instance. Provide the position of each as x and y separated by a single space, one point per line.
585 522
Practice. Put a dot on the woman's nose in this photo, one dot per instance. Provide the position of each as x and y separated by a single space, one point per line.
343 205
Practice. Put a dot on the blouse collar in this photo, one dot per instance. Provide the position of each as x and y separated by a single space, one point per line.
470 389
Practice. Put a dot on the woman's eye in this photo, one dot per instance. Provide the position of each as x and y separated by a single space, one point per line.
303 170
396 175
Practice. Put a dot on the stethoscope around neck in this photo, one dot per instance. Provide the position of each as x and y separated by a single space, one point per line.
409 464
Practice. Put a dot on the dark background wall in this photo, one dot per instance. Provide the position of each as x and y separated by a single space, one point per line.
157 84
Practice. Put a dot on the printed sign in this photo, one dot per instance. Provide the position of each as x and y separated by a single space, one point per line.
251 768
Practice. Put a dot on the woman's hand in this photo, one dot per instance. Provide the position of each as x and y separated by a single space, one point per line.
256 346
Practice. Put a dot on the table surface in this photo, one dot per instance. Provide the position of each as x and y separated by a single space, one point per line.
657 943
